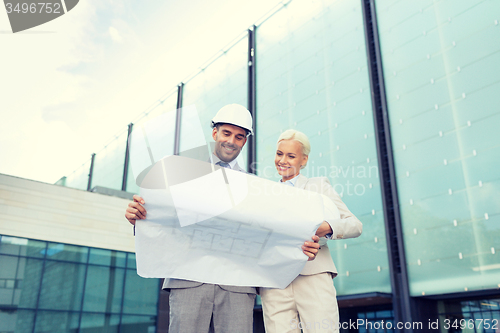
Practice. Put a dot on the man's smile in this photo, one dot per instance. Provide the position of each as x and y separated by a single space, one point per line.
228 148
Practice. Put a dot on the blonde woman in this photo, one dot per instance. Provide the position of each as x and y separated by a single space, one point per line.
309 302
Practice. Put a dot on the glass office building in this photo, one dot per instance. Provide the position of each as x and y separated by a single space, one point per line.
53 287
400 100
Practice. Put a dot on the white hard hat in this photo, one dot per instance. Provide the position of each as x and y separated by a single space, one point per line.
234 114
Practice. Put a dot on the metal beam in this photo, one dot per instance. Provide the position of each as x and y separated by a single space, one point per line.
40 285
124 282
252 100
91 172
127 157
178 119
82 300
401 300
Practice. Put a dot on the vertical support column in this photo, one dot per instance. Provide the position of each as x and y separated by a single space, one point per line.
111 289
127 157
40 286
252 100
178 119
401 300
123 293
83 294
91 171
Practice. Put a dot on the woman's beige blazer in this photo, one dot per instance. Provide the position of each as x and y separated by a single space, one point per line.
348 226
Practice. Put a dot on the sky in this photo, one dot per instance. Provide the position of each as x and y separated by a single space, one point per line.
67 87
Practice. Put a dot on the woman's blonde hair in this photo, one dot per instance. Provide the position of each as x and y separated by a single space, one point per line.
291 134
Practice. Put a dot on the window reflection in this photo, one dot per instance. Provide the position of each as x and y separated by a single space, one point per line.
107 257
103 289
62 286
141 295
57 251
56 322
47 294
312 76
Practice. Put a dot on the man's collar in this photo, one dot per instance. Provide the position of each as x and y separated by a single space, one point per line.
216 159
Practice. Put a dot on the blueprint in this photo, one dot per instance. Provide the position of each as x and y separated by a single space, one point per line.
249 236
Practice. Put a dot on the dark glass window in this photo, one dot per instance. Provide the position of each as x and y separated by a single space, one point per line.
50 287
375 321
103 289
18 321
131 260
141 295
138 324
62 286
107 257
67 252
56 322
99 323
29 275
480 315
22 247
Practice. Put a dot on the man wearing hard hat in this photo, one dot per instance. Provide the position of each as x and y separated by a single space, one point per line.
231 126
196 307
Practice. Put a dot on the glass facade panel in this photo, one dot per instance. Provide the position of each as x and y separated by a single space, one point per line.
107 257
99 323
103 289
19 281
7 278
109 162
375 322
22 247
481 315
131 260
441 75
10 263
62 286
223 82
18 321
141 295
80 177
57 251
64 296
138 324
165 112
312 76
56 322
29 275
